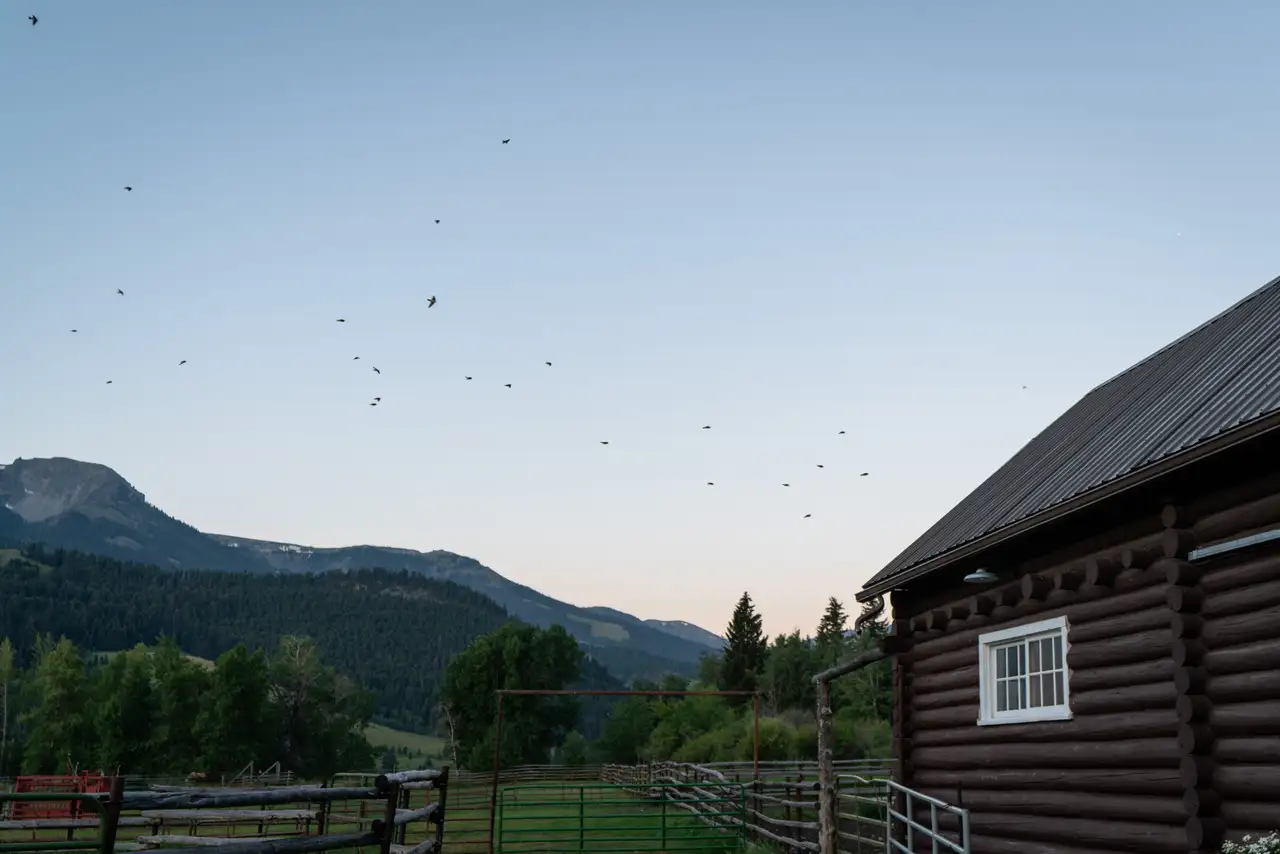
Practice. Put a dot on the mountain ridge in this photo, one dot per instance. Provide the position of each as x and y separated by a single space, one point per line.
90 507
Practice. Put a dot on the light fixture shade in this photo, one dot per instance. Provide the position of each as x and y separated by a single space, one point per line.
981 576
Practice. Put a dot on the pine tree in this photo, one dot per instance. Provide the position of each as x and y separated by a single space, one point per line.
745 651
830 639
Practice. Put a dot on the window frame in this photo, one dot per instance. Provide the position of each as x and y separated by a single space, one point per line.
987 646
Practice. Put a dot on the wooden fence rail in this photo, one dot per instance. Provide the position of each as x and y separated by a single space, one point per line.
167 807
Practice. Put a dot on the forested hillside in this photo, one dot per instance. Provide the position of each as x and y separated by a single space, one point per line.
392 632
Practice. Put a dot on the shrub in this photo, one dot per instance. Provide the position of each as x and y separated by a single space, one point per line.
1269 844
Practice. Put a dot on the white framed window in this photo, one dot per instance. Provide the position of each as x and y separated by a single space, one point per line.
1022 674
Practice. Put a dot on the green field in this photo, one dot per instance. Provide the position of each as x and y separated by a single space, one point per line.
423 751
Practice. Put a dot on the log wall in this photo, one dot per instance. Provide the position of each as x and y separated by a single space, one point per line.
1174 741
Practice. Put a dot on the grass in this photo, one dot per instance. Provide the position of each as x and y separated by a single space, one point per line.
420 748
546 819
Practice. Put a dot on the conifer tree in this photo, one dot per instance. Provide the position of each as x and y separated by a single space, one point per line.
745 651
830 639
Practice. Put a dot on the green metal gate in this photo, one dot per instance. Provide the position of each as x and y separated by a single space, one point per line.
564 817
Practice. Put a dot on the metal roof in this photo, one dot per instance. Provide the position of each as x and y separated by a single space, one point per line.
1222 375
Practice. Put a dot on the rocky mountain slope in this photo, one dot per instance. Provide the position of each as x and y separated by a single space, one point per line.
89 507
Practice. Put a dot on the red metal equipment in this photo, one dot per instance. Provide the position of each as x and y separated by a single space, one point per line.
70 783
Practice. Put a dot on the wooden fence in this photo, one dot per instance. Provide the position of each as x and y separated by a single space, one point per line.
164 809
782 804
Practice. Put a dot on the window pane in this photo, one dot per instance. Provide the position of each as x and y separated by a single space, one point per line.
1002 669
1002 701
1059 693
1050 695
1022 693
1022 660
1035 659
1035 684
1057 651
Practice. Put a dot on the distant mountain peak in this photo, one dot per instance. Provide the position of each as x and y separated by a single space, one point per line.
40 489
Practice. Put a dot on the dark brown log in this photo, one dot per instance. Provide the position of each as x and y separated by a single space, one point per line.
1177 542
1093 834
1193 709
1156 695
1144 808
198 799
1185 626
1201 802
1122 676
1176 516
1189 680
1246 719
1241 629
901 628
1194 738
1196 772
1101 572
1243 659
958 697
1245 750
1184 600
959 610
1144 724
1235 521
936 619
1035 587
1204 833
1260 570
1135 753
961 677
1177 571
1243 600
1244 687
1243 816
894 645
1124 781
997 845
942 718
1129 649
1118 626
1131 579
981 606
1069 579
1249 782
1077 614
1187 653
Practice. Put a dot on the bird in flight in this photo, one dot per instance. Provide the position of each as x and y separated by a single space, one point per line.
508 385
32 19
108 382
841 433
505 141
604 443
120 292
431 302
808 515
709 483
128 189
377 400
821 466
342 320
548 364
706 427
437 222
864 474
355 359
183 362
466 378
786 484
73 330
376 371
375 403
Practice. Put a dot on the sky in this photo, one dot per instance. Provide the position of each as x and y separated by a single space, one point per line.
782 220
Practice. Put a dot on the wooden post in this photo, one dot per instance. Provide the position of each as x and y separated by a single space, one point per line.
389 819
109 819
827 808
497 758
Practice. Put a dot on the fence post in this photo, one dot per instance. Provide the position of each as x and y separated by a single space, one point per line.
389 819
582 818
828 810
443 785
109 820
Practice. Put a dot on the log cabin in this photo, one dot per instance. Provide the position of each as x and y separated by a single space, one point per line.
1086 649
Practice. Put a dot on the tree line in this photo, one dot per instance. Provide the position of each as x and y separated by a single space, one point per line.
154 710
538 729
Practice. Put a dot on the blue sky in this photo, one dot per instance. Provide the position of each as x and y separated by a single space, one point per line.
782 220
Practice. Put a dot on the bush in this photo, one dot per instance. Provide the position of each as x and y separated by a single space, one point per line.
1269 844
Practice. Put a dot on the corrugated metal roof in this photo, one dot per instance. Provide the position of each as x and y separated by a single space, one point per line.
1221 375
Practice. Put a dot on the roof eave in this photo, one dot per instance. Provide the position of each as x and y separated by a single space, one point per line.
1218 444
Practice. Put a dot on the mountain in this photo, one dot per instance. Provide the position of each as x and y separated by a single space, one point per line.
690 632
89 507
393 632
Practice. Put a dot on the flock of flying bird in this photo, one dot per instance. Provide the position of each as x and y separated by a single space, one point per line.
431 302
